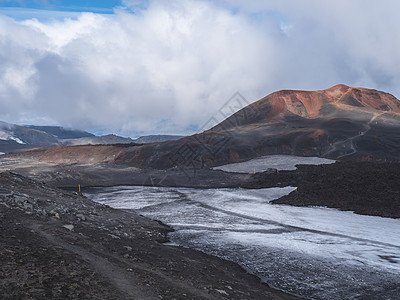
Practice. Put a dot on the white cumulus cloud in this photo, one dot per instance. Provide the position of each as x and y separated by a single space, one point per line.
166 67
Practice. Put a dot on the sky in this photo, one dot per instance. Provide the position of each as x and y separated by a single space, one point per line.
136 67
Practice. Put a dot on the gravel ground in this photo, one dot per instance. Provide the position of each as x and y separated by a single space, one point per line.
57 244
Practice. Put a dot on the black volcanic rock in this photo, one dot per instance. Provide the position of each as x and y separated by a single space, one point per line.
368 188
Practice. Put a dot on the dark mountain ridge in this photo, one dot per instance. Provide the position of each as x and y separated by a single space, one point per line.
61 132
16 138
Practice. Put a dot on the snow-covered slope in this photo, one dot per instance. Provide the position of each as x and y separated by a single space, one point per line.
15 138
7 133
23 135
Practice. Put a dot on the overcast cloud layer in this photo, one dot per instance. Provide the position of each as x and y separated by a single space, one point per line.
167 66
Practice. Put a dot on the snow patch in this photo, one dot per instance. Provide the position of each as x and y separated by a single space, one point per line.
280 162
17 140
6 134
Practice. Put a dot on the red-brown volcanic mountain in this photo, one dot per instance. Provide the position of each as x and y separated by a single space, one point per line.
339 123
313 105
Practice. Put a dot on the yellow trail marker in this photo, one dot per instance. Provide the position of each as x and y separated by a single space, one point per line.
79 188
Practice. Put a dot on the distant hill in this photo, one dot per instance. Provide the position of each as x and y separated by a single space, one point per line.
98 140
61 132
157 138
16 138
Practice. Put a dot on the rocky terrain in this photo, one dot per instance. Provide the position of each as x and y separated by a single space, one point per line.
90 174
58 244
368 188
363 187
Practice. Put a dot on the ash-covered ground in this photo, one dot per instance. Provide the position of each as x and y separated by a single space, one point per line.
60 245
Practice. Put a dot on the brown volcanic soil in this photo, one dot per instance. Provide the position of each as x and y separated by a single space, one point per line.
366 188
56 244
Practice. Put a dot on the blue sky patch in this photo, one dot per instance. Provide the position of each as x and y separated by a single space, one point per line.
58 5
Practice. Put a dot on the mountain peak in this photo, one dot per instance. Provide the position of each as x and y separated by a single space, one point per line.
340 87
308 104
339 100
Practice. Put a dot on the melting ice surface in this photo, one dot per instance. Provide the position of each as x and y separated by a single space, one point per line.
317 253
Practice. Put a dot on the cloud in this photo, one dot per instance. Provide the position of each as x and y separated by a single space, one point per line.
353 41
167 67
